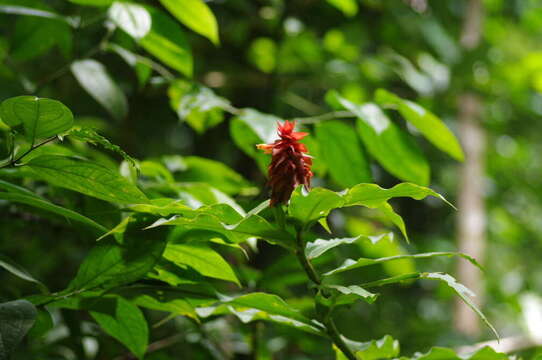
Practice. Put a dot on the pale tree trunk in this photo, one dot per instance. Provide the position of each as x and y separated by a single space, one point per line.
471 222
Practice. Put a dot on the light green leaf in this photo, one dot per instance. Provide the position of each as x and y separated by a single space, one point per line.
320 246
17 270
43 204
123 321
385 348
94 78
429 125
345 157
16 319
40 117
11 7
438 353
350 264
246 139
196 15
347 7
373 196
134 19
93 2
314 205
349 294
166 40
85 177
110 264
202 258
394 149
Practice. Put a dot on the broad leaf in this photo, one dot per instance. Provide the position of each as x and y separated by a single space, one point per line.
16 319
17 270
124 321
346 159
385 348
314 205
320 246
345 295
439 353
85 177
350 264
394 149
94 78
110 264
262 306
40 117
134 19
202 258
196 15
428 124
43 204
347 7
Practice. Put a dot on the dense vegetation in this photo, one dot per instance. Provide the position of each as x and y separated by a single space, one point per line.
136 220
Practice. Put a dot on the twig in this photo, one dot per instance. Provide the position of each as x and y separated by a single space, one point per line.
13 162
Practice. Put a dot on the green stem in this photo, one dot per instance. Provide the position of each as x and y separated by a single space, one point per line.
329 324
14 162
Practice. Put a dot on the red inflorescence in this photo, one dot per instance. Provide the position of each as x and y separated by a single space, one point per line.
290 165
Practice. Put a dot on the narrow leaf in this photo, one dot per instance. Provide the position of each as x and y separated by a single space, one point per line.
17 270
320 246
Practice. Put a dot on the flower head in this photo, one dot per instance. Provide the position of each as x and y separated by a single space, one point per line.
290 165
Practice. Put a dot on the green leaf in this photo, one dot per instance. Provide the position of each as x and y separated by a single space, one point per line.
110 264
40 117
463 292
123 321
439 353
345 157
196 15
85 177
11 7
308 208
166 40
394 149
347 7
349 294
37 202
350 264
262 306
132 18
373 196
94 78
93 2
17 270
320 246
202 258
429 125
16 319
385 348
142 66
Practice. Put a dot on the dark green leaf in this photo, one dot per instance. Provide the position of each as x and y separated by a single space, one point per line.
124 321
40 117
320 246
425 121
349 294
343 153
94 78
93 2
85 177
11 7
17 270
196 15
16 319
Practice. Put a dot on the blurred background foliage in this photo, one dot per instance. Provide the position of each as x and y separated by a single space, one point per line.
282 58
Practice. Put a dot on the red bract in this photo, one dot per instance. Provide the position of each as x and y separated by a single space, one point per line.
290 165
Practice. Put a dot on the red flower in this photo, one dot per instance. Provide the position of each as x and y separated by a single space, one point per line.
290 165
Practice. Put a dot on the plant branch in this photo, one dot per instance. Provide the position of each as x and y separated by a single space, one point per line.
14 162
331 328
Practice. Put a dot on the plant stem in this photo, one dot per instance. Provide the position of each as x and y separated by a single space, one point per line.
329 324
13 161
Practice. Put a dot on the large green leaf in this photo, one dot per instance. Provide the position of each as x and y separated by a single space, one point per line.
133 18
94 78
348 7
394 149
166 40
40 117
202 258
16 319
43 204
345 157
425 121
350 264
385 348
314 205
196 15
320 246
85 177
124 321
262 306
17 270
439 353
110 264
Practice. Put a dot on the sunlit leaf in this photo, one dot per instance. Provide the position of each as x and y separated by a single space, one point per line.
196 15
385 348
314 205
